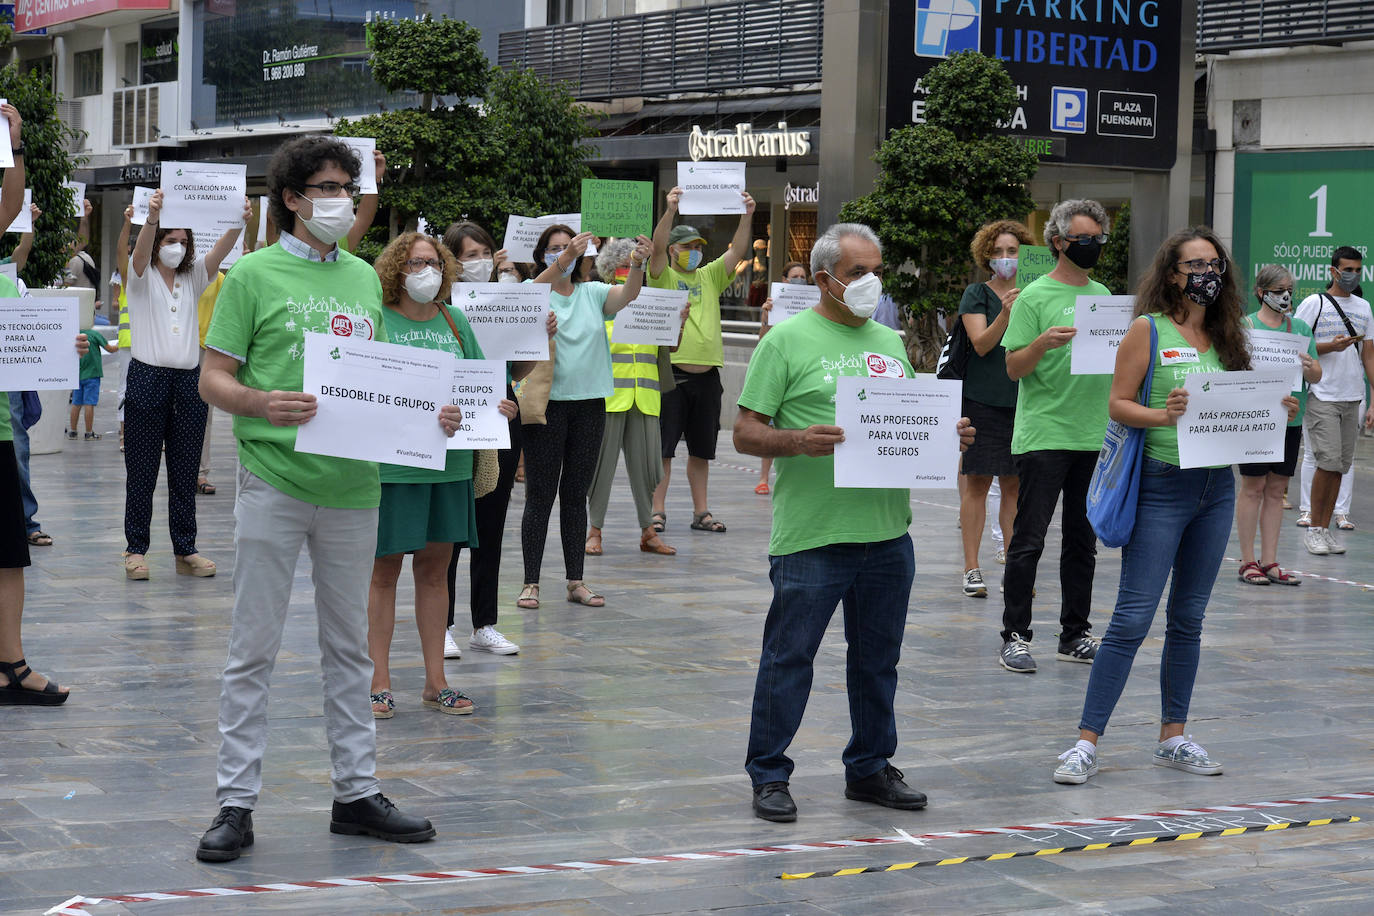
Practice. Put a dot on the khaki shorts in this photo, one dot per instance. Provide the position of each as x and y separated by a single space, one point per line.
1331 428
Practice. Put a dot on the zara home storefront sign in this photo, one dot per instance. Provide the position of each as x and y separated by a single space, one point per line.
744 142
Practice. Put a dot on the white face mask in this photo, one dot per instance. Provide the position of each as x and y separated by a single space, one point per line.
424 285
477 270
171 254
861 296
333 217
508 277
1279 302
1003 267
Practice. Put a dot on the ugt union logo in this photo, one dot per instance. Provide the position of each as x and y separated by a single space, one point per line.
944 27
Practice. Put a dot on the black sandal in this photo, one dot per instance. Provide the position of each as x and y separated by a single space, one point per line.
705 521
205 488
15 693
660 521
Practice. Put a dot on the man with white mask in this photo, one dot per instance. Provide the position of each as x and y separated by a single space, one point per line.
254 368
828 545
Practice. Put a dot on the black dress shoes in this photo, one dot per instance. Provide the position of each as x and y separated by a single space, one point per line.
773 802
377 816
231 830
886 788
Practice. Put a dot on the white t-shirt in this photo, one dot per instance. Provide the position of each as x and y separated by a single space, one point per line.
1343 371
163 323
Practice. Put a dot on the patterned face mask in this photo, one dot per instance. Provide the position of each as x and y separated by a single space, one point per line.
1204 289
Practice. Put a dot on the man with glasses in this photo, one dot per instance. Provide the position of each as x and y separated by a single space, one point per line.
254 369
1061 420
1341 323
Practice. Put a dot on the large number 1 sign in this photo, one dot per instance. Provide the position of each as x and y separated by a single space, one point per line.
1294 209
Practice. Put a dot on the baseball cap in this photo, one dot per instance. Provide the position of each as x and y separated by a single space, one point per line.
681 235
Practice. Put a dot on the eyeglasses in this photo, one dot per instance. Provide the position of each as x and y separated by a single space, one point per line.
332 188
555 250
1199 266
1086 239
1280 290
422 263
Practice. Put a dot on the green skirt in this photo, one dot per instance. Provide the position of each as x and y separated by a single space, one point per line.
415 514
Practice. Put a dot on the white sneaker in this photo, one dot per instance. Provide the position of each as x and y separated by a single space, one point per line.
1315 542
1332 545
1002 555
451 649
487 639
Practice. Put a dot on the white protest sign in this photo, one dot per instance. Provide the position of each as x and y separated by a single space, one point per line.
78 196
791 298
202 195
364 146
11 270
6 150
1233 418
38 344
710 187
654 317
897 432
522 233
262 220
507 318
141 197
24 221
1278 350
1101 322
478 387
375 401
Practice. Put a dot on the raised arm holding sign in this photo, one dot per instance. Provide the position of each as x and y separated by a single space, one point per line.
711 187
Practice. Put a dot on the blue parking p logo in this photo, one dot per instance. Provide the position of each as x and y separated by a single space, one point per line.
1069 110
946 26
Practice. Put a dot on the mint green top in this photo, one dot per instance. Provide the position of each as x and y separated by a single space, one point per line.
582 354
269 301
1055 410
434 334
792 378
1174 361
1292 326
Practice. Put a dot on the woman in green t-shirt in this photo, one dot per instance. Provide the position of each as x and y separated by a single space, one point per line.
423 512
989 394
1183 516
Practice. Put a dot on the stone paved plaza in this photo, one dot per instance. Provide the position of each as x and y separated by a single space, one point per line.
619 733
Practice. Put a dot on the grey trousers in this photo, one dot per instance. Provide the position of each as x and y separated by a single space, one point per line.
271 530
638 435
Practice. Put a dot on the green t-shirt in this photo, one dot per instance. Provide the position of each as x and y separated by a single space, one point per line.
1054 409
270 300
1175 360
1298 327
791 378
7 291
91 364
434 334
702 344
986 379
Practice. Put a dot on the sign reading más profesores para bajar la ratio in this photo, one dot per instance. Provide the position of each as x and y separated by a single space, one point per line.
1098 79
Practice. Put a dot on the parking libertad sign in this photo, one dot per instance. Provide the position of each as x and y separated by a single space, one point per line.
1100 75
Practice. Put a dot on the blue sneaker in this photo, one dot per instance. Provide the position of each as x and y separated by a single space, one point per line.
1188 756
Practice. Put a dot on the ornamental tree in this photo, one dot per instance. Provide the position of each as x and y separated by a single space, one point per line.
939 182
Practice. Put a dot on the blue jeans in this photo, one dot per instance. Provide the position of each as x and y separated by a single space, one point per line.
1183 521
21 455
873 581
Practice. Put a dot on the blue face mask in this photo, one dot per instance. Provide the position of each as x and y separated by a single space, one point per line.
551 257
689 259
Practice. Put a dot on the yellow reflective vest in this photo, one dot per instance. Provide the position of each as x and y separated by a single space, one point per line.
634 368
125 339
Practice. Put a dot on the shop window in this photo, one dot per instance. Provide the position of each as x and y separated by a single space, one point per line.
40 65
801 235
87 70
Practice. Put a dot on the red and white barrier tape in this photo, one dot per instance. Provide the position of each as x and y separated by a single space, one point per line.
78 906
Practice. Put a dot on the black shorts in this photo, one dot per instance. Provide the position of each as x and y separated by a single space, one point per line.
14 537
692 409
1292 447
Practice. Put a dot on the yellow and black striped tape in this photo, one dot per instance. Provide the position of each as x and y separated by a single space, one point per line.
999 856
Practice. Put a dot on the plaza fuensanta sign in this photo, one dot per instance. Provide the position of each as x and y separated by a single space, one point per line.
1100 77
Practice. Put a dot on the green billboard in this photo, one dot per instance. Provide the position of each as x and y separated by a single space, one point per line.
1294 209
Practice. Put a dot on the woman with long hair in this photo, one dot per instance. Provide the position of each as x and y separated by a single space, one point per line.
1183 517
423 512
561 453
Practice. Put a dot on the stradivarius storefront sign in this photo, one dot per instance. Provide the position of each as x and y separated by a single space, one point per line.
744 142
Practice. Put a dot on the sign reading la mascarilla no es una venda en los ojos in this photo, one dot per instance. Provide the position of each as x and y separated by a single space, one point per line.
1097 79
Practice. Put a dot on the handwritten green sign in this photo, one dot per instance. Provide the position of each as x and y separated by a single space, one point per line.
1033 262
623 209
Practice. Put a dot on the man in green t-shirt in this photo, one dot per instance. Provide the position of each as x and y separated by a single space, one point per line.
691 409
1061 420
253 368
828 545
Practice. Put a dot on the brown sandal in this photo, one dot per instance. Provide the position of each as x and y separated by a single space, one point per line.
593 549
651 543
193 564
136 570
